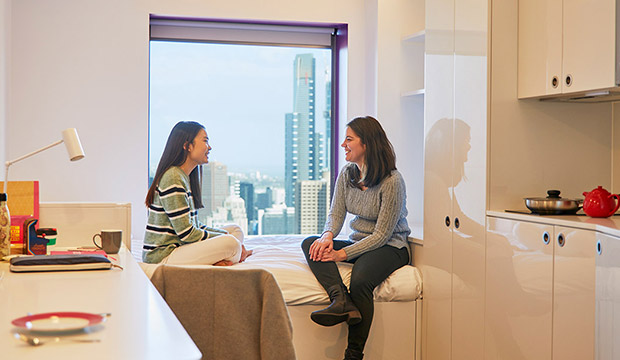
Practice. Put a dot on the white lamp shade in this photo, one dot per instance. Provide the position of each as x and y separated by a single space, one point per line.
72 143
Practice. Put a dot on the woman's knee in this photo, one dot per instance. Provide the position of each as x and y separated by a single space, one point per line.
229 242
234 230
361 286
305 244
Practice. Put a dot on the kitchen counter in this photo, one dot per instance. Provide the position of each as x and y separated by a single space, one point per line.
609 226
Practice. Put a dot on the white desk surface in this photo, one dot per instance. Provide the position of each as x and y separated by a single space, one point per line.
142 326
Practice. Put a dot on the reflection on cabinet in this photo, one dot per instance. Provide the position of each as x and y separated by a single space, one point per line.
566 46
540 293
455 126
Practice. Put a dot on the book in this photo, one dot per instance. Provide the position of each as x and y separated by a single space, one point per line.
23 203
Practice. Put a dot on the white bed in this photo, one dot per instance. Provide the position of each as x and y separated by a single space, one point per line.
395 333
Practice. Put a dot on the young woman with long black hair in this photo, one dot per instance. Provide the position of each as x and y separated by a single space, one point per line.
173 233
370 188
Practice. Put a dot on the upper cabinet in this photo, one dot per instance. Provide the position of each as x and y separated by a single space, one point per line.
566 47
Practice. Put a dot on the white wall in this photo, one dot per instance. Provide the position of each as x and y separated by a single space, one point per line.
4 48
400 68
84 64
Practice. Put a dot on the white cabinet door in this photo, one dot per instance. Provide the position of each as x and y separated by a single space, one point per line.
574 294
540 48
566 46
469 178
607 298
589 45
519 275
455 178
436 262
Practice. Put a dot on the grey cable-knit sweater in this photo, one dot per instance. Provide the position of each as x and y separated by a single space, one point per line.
380 214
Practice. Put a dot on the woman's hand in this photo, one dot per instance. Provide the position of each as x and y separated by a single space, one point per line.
334 255
322 246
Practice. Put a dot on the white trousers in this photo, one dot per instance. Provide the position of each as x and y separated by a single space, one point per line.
209 251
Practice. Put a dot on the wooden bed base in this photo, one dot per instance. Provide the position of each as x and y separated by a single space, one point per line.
395 333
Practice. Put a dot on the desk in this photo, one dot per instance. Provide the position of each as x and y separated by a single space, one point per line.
142 326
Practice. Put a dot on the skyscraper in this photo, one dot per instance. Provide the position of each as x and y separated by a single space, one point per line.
278 219
312 206
327 115
246 191
301 156
214 186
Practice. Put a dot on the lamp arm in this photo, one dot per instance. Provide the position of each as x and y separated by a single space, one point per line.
9 163
6 177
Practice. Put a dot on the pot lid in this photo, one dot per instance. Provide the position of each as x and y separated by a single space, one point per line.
552 195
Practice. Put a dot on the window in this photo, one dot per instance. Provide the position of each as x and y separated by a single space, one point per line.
264 94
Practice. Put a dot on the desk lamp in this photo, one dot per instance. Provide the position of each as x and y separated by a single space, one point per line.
72 143
75 151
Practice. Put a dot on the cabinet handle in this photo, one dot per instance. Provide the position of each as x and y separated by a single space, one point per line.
561 240
546 238
569 80
555 82
456 223
599 248
447 221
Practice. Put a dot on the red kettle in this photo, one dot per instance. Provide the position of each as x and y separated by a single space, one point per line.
600 203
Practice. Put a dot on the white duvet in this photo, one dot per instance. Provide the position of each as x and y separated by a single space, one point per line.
282 256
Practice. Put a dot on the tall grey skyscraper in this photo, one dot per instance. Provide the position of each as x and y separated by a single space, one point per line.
301 156
246 192
327 115
214 186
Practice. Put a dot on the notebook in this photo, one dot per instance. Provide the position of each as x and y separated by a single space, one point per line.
59 263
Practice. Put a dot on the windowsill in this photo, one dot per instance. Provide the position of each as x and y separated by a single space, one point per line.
417 234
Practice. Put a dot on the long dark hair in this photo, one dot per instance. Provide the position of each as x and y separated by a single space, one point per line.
175 153
380 159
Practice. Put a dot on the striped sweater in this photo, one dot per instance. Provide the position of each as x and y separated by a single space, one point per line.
172 220
380 214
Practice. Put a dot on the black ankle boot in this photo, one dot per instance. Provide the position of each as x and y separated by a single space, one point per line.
341 309
350 354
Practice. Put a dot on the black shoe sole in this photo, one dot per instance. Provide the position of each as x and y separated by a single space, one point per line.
329 319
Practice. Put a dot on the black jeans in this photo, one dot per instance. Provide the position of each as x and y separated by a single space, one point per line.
369 270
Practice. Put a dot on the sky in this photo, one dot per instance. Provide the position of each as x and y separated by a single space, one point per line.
240 93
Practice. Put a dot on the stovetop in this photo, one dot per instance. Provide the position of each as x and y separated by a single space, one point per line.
527 212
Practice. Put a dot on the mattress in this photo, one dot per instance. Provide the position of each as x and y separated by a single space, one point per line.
282 256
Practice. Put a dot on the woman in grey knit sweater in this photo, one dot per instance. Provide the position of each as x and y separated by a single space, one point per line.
370 188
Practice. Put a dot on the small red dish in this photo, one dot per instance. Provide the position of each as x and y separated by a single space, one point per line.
58 321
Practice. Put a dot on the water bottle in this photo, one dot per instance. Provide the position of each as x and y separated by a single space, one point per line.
5 227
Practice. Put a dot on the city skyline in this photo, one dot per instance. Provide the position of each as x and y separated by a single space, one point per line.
254 195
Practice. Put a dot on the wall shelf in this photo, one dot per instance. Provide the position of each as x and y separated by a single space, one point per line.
417 92
418 37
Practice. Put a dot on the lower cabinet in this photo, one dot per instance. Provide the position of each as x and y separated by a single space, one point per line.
540 291
607 302
574 283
